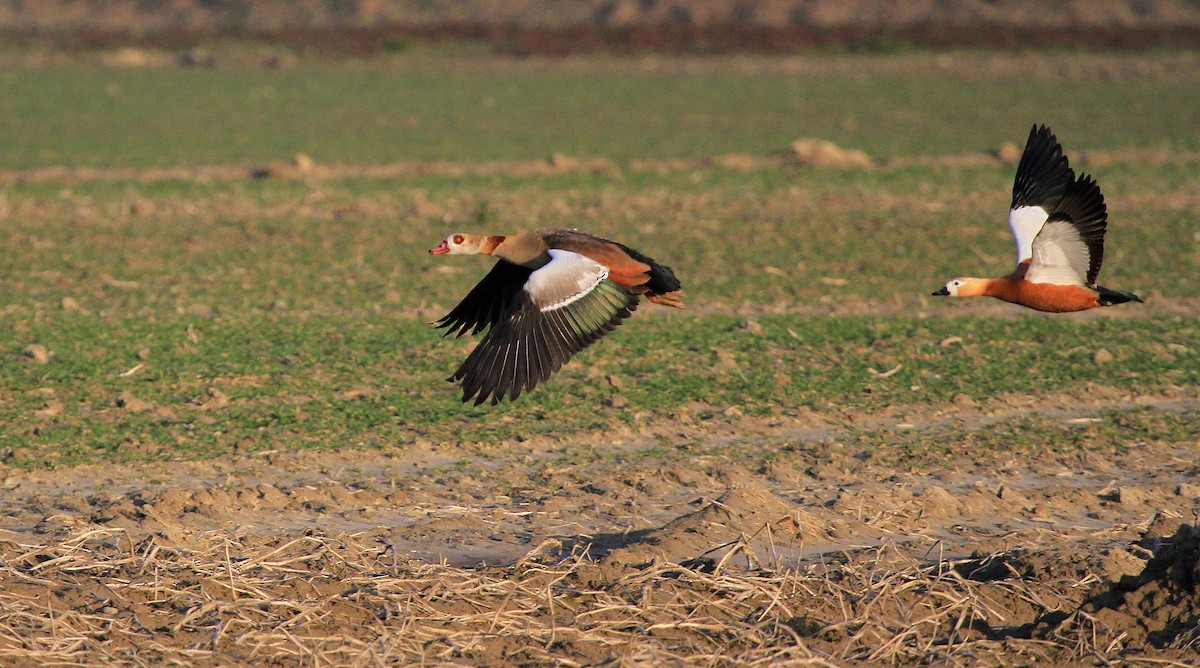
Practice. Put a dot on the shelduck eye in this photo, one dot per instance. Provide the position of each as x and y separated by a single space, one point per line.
456 239
957 283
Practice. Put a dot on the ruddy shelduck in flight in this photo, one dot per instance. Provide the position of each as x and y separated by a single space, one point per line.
1058 220
552 293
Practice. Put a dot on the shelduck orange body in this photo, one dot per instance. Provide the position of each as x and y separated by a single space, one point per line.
1046 297
1059 221
551 293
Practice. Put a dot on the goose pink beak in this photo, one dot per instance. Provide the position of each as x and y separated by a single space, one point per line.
441 249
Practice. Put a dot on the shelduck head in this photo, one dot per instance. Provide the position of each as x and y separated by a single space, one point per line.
464 244
963 287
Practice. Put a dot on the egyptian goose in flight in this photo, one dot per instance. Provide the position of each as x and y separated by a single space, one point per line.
1058 221
552 293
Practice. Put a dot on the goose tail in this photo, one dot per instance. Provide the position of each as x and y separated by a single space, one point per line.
1111 297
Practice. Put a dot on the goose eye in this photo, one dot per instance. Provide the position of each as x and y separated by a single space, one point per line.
457 239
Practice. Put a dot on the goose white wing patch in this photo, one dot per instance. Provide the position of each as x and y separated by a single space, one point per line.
1026 222
1060 255
566 278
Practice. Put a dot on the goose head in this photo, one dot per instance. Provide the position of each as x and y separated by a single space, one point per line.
460 244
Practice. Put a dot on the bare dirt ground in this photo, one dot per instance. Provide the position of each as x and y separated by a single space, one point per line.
624 548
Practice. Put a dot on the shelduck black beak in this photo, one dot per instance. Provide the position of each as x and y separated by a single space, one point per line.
440 249
942 293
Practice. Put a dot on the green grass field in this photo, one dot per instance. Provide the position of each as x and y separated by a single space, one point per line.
301 303
227 435
470 110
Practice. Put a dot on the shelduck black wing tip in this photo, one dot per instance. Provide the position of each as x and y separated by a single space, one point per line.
1083 206
1043 171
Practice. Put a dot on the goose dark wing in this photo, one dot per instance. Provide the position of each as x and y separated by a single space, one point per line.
491 298
563 307
1043 175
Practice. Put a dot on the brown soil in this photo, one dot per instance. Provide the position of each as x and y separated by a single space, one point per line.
637 546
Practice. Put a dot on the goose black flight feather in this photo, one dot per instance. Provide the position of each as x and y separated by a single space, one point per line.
552 293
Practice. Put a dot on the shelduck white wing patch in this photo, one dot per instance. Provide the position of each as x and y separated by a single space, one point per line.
1026 222
1042 177
1060 255
564 279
